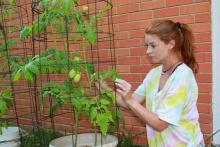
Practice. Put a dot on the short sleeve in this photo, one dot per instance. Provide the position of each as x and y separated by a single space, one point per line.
141 90
172 104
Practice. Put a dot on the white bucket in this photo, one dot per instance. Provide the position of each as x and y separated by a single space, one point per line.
87 139
10 137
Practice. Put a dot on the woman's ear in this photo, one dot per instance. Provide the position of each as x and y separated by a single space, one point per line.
171 44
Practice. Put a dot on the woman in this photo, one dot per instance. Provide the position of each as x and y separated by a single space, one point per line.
169 90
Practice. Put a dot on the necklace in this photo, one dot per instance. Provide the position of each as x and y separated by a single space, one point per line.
168 69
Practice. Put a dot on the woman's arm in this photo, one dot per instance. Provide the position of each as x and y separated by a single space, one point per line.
119 98
133 101
148 117
121 102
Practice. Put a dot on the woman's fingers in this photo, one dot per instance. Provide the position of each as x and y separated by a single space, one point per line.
120 86
123 87
123 82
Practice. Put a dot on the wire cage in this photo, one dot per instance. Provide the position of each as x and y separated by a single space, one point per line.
12 19
55 52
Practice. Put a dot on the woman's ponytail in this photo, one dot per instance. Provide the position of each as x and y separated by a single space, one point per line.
187 49
168 30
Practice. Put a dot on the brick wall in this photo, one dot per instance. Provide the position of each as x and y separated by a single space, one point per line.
130 19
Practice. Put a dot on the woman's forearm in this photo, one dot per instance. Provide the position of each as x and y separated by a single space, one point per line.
120 101
148 117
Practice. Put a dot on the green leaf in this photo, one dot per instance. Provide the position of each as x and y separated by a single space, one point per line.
32 68
11 2
42 102
68 5
104 74
25 32
3 107
53 109
95 77
49 85
105 102
91 34
114 75
27 75
17 76
109 94
93 114
102 121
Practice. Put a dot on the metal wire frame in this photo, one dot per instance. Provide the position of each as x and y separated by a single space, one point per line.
40 42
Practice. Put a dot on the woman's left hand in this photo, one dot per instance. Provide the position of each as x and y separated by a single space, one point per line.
123 88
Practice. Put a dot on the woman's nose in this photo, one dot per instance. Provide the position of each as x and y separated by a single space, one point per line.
149 50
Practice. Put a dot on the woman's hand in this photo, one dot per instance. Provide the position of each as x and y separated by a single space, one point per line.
102 84
123 88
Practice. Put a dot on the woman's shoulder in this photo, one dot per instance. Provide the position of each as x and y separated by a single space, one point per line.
184 72
156 69
184 69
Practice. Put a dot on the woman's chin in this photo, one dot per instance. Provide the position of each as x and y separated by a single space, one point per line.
154 61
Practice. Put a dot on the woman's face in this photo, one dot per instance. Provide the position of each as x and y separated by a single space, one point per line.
157 50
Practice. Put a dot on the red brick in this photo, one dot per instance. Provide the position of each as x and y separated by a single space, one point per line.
204 57
129 26
145 60
120 18
204 17
205 118
205 87
204 98
196 8
128 8
137 51
137 34
204 108
115 10
119 2
140 69
25 121
123 68
202 37
205 68
188 19
203 47
126 112
134 121
200 27
129 43
24 102
131 77
178 3
167 12
129 60
151 5
143 15
196 1
122 52
206 128
121 35
204 78
141 140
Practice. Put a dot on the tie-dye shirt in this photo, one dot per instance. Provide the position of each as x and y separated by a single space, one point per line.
175 103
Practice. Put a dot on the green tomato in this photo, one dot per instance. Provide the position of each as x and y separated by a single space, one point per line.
85 8
72 73
77 58
77 78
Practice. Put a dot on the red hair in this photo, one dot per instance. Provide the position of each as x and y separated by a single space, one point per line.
168 30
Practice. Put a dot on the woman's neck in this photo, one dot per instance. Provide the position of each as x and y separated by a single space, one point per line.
170 64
